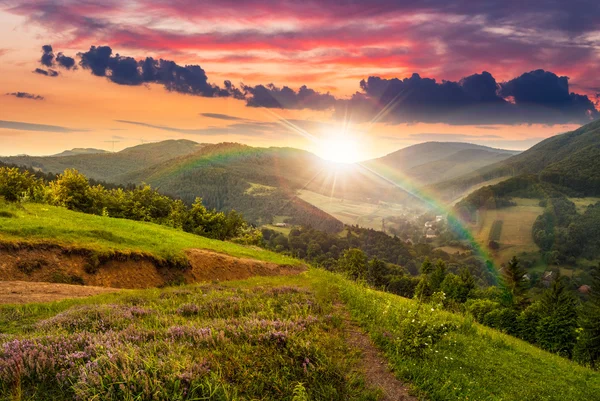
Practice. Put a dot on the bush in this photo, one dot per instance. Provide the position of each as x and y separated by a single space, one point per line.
15 184
29 266
504 319
481 307
71 190
417 334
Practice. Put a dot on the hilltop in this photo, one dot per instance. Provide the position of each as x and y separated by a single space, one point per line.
569 160
108 166
80 151
432 162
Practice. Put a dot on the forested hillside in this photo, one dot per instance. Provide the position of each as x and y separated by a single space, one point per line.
433 162
569 160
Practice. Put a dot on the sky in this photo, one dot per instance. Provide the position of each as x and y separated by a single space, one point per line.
314 74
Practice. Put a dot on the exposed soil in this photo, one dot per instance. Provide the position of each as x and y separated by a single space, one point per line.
53 264
375 366
19 292
210 266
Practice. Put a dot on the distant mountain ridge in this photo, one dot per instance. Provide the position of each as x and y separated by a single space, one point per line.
107 166
431 162
80 151
571 160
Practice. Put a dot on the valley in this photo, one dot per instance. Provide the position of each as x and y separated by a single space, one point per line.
333 252
314 200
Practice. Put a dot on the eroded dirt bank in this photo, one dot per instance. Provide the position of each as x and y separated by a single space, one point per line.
53 264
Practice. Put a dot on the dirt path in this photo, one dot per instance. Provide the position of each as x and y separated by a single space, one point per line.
21 292
374 364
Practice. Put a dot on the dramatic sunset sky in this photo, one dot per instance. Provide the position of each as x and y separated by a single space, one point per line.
381 74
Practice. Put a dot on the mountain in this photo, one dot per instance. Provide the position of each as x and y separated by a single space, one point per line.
80 151
570 160
432 162
109 166
262 182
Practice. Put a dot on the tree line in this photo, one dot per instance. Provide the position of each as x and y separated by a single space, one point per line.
74 191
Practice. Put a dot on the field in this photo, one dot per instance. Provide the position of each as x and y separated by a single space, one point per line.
363 214
36 223
582 203
276 338
457 198
515 230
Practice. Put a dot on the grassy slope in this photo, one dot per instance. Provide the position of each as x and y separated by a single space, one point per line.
36 223
246 341
470 363
353 212
516 235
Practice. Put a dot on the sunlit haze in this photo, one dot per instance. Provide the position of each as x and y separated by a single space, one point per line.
400 73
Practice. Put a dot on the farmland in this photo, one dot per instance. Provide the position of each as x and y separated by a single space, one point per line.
363 214
514 234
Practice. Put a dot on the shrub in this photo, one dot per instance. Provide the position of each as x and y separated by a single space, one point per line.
481 307
29 266
504 319
15 184
65 278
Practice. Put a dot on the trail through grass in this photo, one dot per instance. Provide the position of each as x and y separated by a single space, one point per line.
266 338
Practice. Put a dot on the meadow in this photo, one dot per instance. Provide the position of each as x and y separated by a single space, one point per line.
514 233
363 214
276 338
582 203
39 223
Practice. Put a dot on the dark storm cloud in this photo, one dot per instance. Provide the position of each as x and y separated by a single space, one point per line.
270 96
123 70
48 73
65 61
21 126
25 95
48 59
534 97
220 116
47 56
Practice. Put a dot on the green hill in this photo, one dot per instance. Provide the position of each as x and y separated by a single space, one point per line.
569 160
109 166
433 162
43 224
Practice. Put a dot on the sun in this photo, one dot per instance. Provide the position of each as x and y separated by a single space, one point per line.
339 150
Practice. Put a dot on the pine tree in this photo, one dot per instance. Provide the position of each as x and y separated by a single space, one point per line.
556 330
514 282
354 263
438 275
587 350
427 266
376 271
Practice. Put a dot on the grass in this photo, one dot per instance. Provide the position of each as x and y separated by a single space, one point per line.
283 230
582 203
351 212
470 362
496 230
259 339
37 223
267 338
516 232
